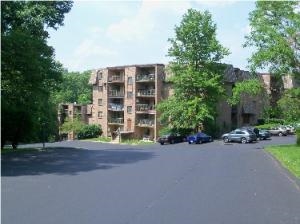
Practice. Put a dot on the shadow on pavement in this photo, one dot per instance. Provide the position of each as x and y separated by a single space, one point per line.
68 161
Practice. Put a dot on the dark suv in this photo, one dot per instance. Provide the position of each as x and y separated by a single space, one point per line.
239 135
171 139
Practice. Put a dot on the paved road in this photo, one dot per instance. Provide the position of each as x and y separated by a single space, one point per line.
86 183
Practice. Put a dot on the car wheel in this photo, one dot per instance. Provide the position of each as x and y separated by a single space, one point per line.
243 140
190 142
225 139
162 143
280 134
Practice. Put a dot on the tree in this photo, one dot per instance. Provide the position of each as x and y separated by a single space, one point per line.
29 70
275 33
73 88
196 72
289 105
75 125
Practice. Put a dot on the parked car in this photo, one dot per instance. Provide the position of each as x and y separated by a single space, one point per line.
280 131
239 135
290 129
199 138
171 138
264 134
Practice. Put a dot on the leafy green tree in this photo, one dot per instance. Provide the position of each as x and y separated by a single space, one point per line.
90 131
196 72
73 88
275 27
289 105
29 71
75 125
249 87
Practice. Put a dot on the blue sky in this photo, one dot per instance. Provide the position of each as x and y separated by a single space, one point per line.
98 34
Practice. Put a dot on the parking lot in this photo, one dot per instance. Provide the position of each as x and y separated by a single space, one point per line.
86 182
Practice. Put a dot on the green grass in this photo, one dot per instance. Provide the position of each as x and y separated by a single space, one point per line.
288 156
99 139
136 142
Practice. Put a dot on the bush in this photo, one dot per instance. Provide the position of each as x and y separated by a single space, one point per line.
266 126
89 131
275 121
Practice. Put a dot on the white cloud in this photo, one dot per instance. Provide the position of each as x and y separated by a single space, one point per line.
215 3
89 49
149 16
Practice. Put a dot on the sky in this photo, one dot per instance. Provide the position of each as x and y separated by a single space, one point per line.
98 34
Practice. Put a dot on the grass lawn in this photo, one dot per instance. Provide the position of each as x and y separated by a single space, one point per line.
288 156
127 142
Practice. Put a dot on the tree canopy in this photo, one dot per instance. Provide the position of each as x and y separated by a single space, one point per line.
29 70
275 34
289 105
74 87
196 72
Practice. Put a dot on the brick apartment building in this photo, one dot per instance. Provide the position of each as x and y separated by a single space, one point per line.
125 99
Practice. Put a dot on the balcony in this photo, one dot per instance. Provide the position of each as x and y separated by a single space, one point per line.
119 120
116 78
116 93
146 92
115 107
145 108
145 122
145 78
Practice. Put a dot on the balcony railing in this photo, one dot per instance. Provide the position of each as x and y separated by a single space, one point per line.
146 92
119 120
115 107
116 78
145 122
115 93
145 78
145 108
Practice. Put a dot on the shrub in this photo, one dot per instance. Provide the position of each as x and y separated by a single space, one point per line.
276 121
89 131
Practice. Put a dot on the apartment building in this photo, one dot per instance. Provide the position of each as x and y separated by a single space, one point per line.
125 99
73 111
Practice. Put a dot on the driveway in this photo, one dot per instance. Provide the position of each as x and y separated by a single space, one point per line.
84 182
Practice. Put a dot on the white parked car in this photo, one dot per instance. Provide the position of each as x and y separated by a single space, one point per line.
280 131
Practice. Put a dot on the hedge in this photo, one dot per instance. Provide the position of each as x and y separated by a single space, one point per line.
89 131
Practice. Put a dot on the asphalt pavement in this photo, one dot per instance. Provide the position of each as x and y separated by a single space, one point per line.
76 182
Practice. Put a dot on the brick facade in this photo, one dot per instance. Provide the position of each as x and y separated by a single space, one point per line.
125 98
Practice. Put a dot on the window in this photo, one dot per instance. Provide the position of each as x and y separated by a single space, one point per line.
129 81
129 95
100 88
99 102
129 109
99 75
100 114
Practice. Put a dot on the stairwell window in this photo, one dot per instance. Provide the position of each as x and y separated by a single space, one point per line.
129 95
129 109
100 114
129 81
